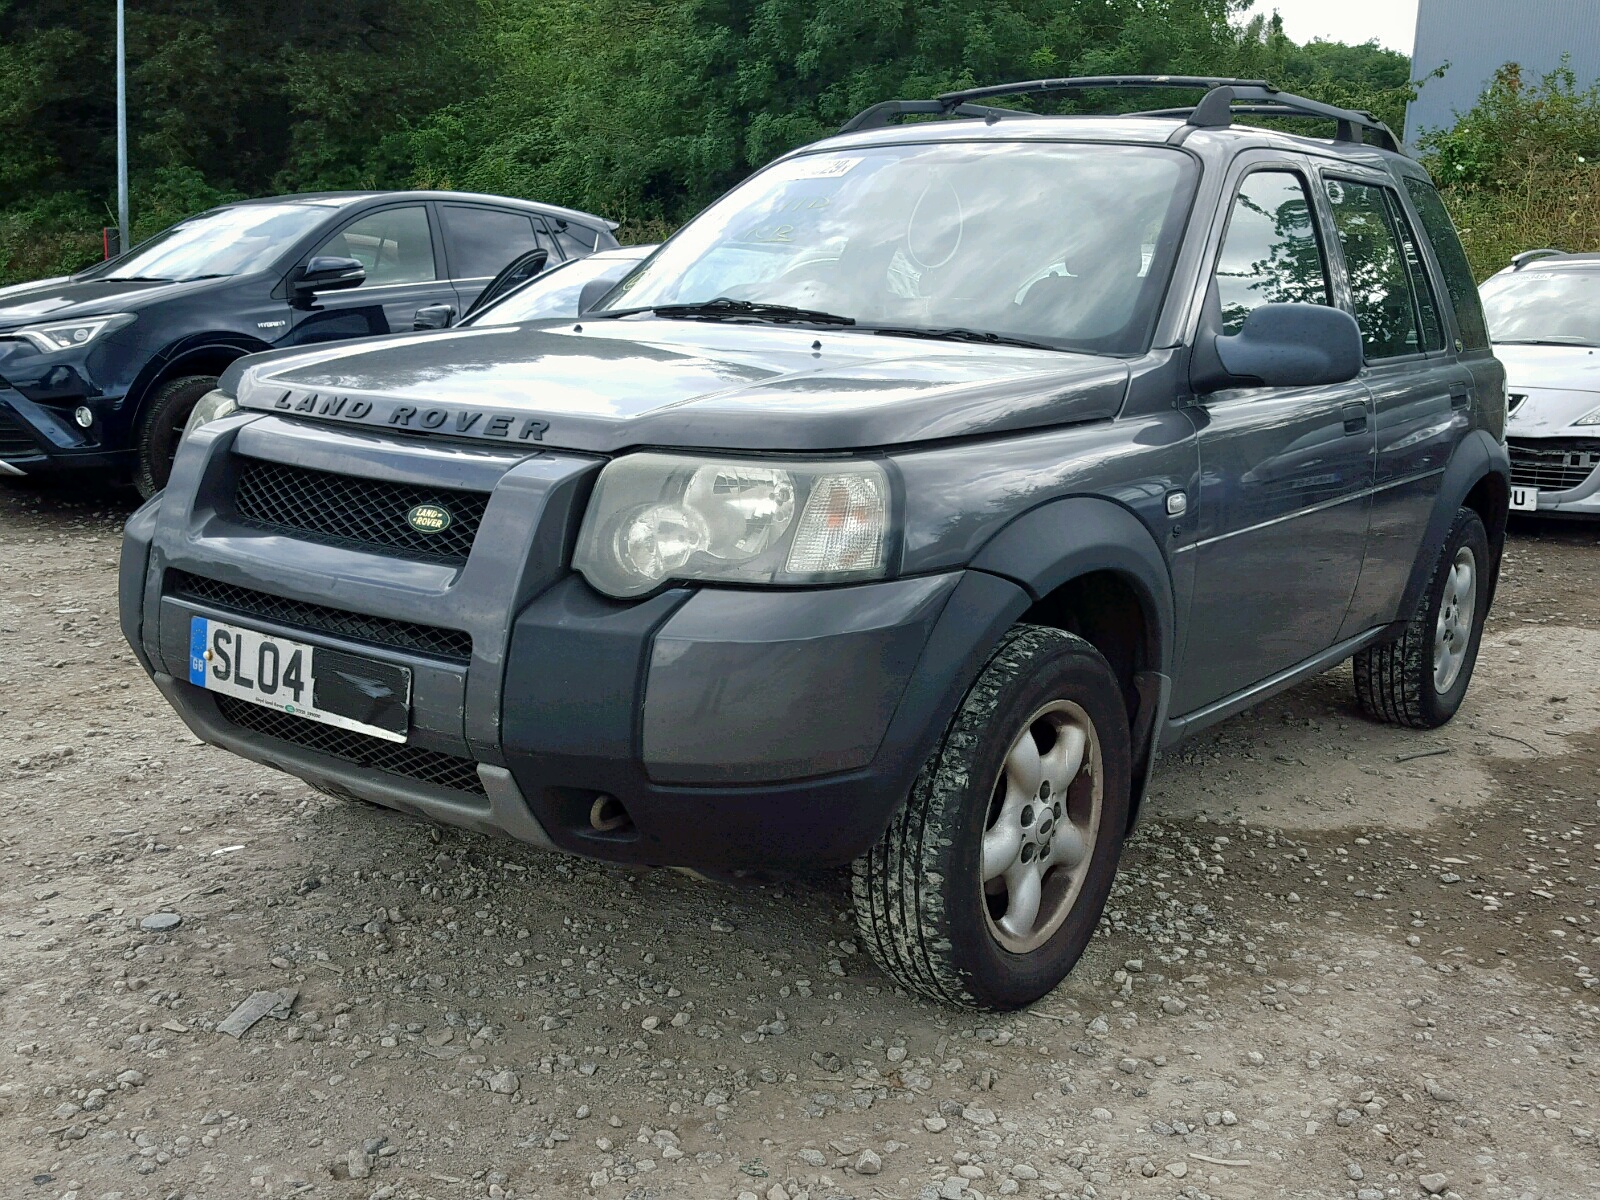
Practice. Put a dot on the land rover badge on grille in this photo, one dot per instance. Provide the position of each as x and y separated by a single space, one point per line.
429 518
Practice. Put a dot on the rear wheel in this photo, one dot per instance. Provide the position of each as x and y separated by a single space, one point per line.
989 882
1421 678
161 428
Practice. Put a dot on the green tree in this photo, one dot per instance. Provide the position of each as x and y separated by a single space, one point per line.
1520 170
224 100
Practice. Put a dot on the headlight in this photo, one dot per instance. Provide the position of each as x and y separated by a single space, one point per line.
213 406
1589 418
66 335
655 517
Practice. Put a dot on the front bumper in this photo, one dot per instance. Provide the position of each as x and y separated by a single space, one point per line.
1565 471
36 439
737 729
39 393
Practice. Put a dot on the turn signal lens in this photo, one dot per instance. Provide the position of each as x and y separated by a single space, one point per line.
843 526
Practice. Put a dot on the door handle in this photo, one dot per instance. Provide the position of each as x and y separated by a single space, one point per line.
1460 399
1355 418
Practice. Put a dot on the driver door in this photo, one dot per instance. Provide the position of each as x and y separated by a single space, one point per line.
398 247
1286 474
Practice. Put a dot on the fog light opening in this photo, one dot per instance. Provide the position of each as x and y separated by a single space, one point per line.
84 416
606 815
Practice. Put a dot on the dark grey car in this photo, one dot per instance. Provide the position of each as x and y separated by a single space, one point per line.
896 513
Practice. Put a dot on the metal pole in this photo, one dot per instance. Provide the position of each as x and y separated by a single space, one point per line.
122 131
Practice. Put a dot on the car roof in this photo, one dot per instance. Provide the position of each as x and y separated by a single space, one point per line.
1120 130
1559 261
344 199
1541 262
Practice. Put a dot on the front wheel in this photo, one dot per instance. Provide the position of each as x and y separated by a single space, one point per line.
1420 678
161 429
988 884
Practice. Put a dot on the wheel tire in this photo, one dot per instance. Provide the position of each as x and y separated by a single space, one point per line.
1407 681
161 427
921 904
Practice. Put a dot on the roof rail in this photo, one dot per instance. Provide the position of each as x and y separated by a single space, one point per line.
1518 261
1224 99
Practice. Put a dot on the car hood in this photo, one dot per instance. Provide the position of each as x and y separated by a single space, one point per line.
608 385
1560 383
63 300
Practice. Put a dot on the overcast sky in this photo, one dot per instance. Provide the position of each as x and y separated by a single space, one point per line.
1392 22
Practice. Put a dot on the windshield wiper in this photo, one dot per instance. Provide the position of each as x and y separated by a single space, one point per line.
724 307
136 279
957 334
1548 341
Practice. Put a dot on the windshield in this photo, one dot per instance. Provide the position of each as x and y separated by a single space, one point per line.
227 241
1065 245
554 293
1544 306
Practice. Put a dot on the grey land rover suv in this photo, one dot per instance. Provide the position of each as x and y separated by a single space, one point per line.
897 513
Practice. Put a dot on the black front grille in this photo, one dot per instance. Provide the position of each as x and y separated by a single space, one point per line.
383 631
391 758
14 438
1554 466
349 511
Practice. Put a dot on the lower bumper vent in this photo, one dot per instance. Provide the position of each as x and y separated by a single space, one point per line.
412 762
14 439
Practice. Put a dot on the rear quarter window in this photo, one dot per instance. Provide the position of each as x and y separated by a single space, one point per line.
1452 261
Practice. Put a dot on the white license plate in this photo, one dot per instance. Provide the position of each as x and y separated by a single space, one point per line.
307 681
1525 499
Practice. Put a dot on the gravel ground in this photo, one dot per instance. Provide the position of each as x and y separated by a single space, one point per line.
1342 960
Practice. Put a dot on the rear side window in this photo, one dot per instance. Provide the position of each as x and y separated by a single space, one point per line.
1271 254
1421 285
1380 280
483 241
1452 262
576 240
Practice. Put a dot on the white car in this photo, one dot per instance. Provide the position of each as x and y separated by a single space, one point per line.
1544 321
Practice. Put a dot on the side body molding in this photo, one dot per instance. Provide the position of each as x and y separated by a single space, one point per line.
1067 539
1476 457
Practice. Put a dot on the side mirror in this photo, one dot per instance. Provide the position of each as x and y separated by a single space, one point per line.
433 316
327 273
598 288
1284 345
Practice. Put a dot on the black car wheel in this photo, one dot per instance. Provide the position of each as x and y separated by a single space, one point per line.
161 428
990 880
1421 677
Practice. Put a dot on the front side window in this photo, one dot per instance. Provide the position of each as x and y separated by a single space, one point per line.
1557 306
482 242
227 241
1380 281
1452 263
1271 254
394 245
1067 246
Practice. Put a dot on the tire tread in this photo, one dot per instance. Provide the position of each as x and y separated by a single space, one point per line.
898 902
1390 677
